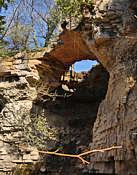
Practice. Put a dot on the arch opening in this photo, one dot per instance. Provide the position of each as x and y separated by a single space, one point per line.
84 65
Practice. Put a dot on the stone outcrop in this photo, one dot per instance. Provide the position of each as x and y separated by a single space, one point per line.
114 43
16 99
109 36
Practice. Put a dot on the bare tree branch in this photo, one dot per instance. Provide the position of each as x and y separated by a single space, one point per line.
78 156
44 19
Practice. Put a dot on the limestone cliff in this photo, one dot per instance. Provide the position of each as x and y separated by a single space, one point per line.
114 43
29 82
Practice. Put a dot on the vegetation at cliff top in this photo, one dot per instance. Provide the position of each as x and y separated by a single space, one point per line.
71 7
31 24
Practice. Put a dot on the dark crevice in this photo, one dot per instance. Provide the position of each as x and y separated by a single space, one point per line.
9 78
1 107
133 5
3 101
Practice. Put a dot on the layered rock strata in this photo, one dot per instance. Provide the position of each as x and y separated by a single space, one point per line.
108 36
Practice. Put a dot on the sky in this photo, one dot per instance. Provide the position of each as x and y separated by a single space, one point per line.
84 65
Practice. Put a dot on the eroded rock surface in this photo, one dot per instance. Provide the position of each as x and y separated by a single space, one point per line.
16 98
115 46
109 36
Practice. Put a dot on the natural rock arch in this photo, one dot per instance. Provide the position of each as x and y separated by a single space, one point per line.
111 39
113 42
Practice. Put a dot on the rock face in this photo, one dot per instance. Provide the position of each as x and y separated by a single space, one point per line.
109 36
16 99
114 43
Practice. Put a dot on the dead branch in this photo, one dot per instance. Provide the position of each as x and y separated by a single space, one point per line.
80 156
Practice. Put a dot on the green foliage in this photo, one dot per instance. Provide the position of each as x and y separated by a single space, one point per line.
38 133
68 7
23 170
4 3
71 7
64 9
2 22
30 33
5 52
